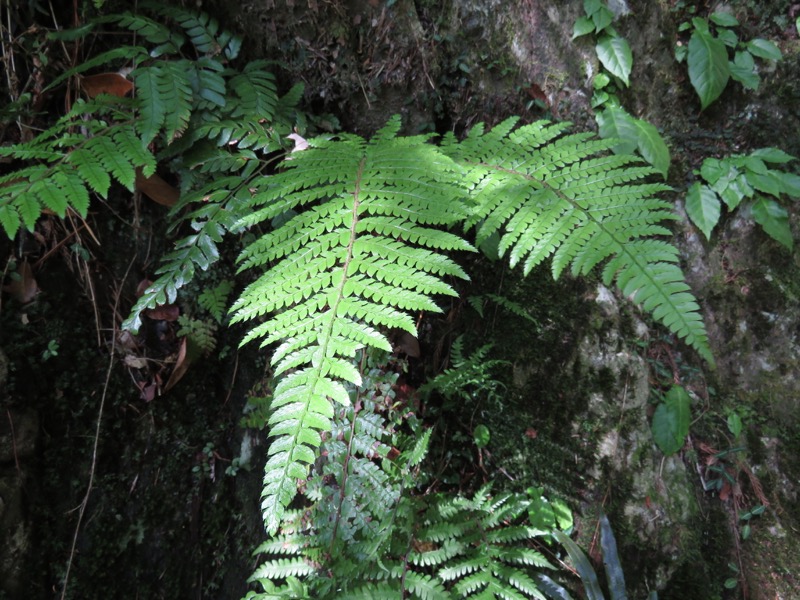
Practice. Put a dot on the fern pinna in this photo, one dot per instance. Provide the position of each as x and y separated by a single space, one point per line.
364 533
360 247
438 548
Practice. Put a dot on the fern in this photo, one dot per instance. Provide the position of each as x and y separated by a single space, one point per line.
357 260
466 374
201 334
70 167
359 252
551 195
477 303
215 300
180 104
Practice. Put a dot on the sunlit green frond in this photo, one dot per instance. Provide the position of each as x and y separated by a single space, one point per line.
256 90
347 267
562 197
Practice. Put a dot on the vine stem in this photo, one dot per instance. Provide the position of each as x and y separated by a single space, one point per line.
93 467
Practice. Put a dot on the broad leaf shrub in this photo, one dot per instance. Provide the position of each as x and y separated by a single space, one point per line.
752 179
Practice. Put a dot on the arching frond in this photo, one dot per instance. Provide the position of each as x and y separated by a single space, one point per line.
552 196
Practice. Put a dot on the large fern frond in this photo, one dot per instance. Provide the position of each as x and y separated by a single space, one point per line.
559 196
360 257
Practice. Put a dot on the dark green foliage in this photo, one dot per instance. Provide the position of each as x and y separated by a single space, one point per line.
614 574
205 118
68 166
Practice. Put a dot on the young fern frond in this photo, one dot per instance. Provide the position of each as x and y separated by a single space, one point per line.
487 558
550 195
361 256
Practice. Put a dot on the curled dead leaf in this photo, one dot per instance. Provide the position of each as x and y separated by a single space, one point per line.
24 288
158 190
405 343
142 287
114 84
126 341
135 362
300 142
181 366
165 312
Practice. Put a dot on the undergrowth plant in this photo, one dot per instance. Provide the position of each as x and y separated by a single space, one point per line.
367 531
614 122
192 115
708 53
753 179
350 238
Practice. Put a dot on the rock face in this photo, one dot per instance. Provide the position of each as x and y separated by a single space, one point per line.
19 431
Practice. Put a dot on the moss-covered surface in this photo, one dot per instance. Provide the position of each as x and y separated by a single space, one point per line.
163 519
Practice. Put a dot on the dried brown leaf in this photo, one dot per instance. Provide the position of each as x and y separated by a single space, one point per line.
158 190
25 288
181 366
165 312
106 83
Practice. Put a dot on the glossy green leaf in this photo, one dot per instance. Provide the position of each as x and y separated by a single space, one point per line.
708 66
724 19
790 183
481 436
735 424
743 70
735 191
703 207
616 123
615 55
713 169
728 37
652 146
774 219
602 18
764 49
614 574
773 155
600 81
583 26
671 420
768 183
582 565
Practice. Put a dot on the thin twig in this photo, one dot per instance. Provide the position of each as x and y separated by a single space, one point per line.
85 501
